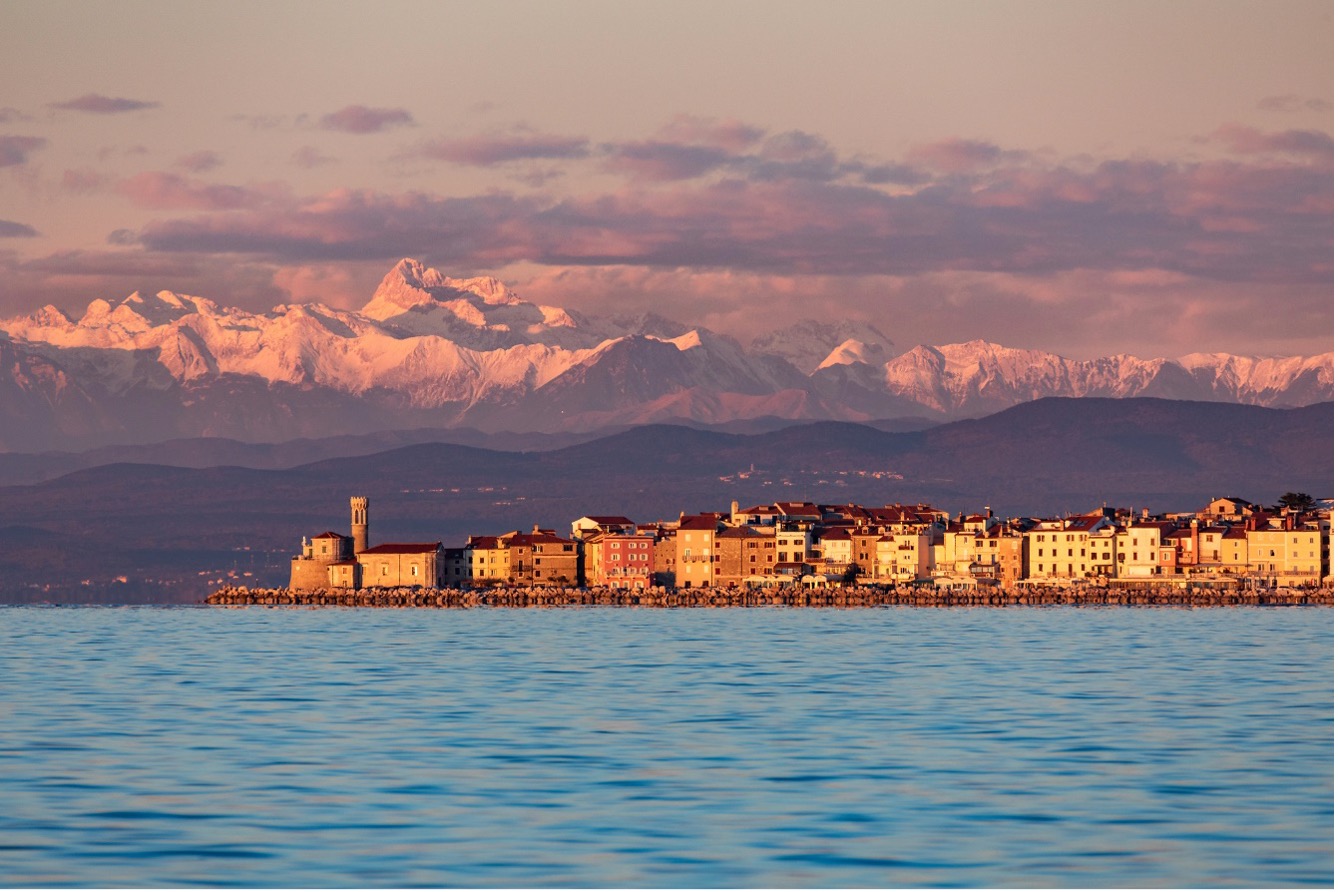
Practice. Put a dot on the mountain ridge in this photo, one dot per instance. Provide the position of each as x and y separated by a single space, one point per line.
428 350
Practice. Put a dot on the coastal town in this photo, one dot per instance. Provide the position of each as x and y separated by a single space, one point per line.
1227 545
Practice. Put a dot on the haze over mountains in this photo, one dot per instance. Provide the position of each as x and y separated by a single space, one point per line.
430 351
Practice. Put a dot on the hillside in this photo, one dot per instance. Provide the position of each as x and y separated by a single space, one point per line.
172 531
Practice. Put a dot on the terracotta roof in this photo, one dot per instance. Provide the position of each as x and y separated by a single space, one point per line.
329 535
799 509
532 539
608 520
404 548
741 533
698 522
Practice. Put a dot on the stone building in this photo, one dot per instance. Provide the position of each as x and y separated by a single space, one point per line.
325 559
398 564
332 560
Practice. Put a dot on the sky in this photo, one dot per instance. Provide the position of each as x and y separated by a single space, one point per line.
1086 177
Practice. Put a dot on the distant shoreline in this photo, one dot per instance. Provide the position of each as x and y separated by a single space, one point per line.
789 596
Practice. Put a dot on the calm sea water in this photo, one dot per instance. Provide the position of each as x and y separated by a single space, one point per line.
897 747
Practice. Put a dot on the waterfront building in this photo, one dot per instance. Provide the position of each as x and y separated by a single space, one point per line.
488 559
743 553
1280 555
397 564
457 566
1142 550
620 560
1074 548
541 557
903 557
837 550
695 539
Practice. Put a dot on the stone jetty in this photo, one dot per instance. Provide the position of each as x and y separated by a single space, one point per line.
789 596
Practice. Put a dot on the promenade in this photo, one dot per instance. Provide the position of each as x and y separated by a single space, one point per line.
788 596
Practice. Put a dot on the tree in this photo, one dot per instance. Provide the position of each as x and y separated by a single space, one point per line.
1300 502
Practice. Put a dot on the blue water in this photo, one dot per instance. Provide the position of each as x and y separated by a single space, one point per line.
592 747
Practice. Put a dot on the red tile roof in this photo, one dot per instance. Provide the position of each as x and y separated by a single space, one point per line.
404 548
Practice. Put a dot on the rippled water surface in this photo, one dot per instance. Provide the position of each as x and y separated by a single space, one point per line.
897 747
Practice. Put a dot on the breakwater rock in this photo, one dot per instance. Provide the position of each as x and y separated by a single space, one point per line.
789 596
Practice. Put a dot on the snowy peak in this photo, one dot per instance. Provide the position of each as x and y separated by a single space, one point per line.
853 352
809 343
481 312
139 313
410 285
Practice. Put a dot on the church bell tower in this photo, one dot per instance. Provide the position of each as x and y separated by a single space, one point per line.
358 504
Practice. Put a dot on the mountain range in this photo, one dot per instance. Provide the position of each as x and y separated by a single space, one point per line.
431 351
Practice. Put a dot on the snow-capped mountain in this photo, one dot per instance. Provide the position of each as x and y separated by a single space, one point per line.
430 350
809 345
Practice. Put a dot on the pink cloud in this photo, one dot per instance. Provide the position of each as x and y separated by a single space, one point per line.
957 155
730 134
1291 102
336 285
199 162
168 191
82 182
1248 141
486 151
1224 221
665 161
70 279
11 229
14 150
97 104
362 119
310 156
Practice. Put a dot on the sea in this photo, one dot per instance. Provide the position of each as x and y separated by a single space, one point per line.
772 747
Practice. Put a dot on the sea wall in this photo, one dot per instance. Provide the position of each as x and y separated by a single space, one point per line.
907 596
